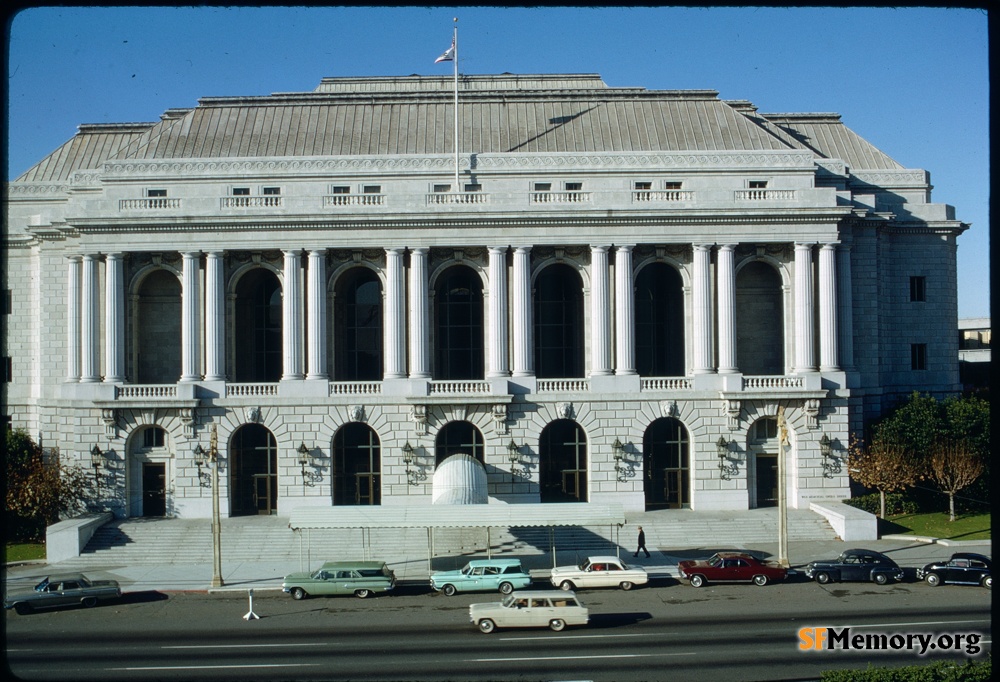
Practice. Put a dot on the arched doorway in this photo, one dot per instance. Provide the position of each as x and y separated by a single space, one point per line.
456 438
149 472
356 466
253 471
666 452
562 462
763 448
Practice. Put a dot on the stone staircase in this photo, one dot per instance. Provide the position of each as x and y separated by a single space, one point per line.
153 541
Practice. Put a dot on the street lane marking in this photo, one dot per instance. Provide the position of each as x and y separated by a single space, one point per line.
549 637
241 646
570 658
926 622
218 667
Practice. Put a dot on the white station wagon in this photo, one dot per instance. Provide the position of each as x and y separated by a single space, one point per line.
599 571
534 609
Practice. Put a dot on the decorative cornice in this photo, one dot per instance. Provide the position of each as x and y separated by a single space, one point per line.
892 178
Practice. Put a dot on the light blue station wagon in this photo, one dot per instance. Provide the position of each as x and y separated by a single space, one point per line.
505 575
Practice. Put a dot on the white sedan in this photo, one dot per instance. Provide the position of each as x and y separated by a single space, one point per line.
599 571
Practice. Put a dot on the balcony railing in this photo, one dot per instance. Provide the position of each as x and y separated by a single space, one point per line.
757 383
355 388
459 387
563 385
574 197
146 392
666 384
764 194
338 200
251 390
253 202
644 195
148 204
440 198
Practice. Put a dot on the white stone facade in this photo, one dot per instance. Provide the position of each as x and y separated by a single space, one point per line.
812 286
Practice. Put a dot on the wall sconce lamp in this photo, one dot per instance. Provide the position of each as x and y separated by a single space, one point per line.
96 460
306 459
514 455
726 470
408 459
618 452
831 465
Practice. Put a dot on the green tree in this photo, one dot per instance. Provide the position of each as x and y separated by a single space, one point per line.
953 466
39 488
883 466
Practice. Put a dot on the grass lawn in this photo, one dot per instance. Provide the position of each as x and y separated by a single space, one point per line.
937 525
23 551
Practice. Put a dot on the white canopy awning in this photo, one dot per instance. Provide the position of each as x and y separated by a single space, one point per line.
458 516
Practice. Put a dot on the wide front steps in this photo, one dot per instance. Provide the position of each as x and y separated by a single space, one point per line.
152 541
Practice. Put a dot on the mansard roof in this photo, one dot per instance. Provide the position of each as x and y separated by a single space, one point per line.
498 114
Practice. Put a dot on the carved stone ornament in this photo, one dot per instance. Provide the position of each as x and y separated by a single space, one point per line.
564 410
669 408
188 421
110 417
500 418
418 413
357 413
812 413
733 408
252 415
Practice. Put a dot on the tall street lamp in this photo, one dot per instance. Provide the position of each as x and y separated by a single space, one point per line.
211 458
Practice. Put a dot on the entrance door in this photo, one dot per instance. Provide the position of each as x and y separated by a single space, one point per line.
154 489
766 465
265 494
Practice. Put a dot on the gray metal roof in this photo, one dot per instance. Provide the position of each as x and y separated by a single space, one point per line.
503 113
458 516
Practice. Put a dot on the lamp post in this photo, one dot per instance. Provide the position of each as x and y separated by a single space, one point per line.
618 452
213 463
722 449
96 459
514 455
303 461
830 464
408 460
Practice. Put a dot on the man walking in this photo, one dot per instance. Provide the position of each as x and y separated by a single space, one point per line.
642 543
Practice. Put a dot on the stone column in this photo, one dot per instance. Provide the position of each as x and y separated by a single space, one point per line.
702 309
497 323
521 308
215 317
395 324
73 318
291 311
114 318
600 332
726 272
805 354
624 312
420 366
845 304
90 321
828 308
189 316
316 324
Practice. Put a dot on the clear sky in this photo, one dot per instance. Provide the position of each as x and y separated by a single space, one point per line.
912 81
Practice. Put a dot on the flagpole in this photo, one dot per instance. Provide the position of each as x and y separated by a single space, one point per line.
455 63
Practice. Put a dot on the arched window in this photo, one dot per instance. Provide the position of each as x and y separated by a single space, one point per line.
158 329
558 311
562 462
666 464
458 317
458 437
357 315
659 321
356 466
760 327
257 327
253 471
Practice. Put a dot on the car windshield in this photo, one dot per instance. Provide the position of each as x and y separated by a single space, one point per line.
467 569
40 587
508 601
716 561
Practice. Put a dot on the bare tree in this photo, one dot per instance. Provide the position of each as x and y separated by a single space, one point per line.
884 466
953 466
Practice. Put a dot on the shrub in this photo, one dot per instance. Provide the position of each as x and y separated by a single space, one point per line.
941 671
895 504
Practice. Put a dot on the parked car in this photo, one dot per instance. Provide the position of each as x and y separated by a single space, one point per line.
537 609
360 578
599 571
963 568
505 575
855 564
731 567
63 590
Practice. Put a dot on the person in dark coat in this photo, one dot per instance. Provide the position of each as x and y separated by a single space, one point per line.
642 543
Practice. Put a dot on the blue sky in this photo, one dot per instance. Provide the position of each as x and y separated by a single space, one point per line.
913 81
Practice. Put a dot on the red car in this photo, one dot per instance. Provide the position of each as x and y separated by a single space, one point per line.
728 567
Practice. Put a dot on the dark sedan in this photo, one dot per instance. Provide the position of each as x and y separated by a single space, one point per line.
963 568
857 565
63 590
731 567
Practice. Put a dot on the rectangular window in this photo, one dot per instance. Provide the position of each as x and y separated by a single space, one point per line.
441 189
241 191
673 185
340 189
152 438
766 428
918 289
543 186
643 186
918 356
271 191
473 187
758 184
154 193
372 189
574 186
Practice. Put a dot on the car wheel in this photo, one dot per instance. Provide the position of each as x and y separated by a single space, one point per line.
988 582
23 609
697 580
822 578
362 594
557 624
298 593
760 580
626 585
89 601
566 585
486 625
933 579
449 590
880 578
506 588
